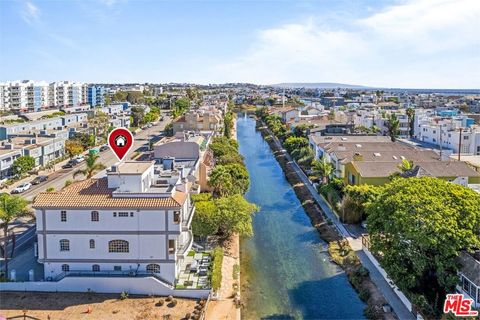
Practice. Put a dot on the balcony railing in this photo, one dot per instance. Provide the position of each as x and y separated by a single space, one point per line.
112 274
188 220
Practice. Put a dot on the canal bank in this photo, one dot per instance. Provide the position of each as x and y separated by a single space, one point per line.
286 269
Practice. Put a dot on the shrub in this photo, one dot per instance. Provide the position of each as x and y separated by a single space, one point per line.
68 182
236 271
364 295
51 189
362 272
160 302
124 295
188 315
370 313
169 298
217 268
173 303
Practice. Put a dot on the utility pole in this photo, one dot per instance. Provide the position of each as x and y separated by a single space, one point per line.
460 143
441 142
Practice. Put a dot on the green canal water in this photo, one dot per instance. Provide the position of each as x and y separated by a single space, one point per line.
286 271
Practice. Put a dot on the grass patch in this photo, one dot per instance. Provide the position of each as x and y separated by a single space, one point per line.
191 253
236 271
217 268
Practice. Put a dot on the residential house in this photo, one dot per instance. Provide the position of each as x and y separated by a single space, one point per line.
132 222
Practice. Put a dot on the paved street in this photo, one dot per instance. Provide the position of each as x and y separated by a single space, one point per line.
58 178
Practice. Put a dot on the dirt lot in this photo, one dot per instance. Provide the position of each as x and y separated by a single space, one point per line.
73 306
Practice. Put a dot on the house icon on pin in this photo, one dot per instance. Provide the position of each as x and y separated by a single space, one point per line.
120 141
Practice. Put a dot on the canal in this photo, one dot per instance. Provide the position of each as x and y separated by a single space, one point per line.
286 271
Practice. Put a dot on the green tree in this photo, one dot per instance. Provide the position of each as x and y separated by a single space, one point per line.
392 125
135 97
323 169
180 106
92 167
420 225
11 208
222 146
411 117
228 125
204 220
99 125
108 100
120 96
73 148
23 165
302 130
138 114
229 179
223 217
168 130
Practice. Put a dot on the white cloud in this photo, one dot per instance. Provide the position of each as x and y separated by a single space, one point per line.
419 43
30 13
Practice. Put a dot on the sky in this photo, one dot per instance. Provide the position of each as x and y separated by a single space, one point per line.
392 43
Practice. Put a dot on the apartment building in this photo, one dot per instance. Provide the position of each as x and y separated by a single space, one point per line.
132 221
203 119
469 274
31 96
447 130
30 127
369 118
96 96
7 156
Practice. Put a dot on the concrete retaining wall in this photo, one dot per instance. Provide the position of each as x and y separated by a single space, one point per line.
144 286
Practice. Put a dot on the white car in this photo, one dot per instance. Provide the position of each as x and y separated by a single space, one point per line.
22 188
80 159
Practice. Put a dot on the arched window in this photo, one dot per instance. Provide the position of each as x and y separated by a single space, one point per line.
95 216
64 245
65 267
92 244
153 268
95 268
118 246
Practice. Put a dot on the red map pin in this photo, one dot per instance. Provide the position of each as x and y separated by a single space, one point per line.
120 141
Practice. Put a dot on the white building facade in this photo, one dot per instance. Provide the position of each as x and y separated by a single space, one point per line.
131 222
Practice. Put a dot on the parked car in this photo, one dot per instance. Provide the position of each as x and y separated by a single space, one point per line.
202 271
194 266
80 159
104 147
22 188
39 180
70 164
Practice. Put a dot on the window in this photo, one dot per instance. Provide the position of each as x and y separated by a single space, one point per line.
465 137
123 214
153 268
118 246
95 268
171 246
117 268
466 285
114 214
131 214
95 216
92 244
64 245
65 267
176 216
63 216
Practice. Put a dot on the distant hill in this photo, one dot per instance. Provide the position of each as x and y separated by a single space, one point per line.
320 85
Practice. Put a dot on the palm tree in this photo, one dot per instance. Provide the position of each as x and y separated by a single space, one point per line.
406 165
392 125
92 167
303 155
322 168
11 208
411 115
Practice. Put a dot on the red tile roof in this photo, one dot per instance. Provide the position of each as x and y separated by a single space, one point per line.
94 193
